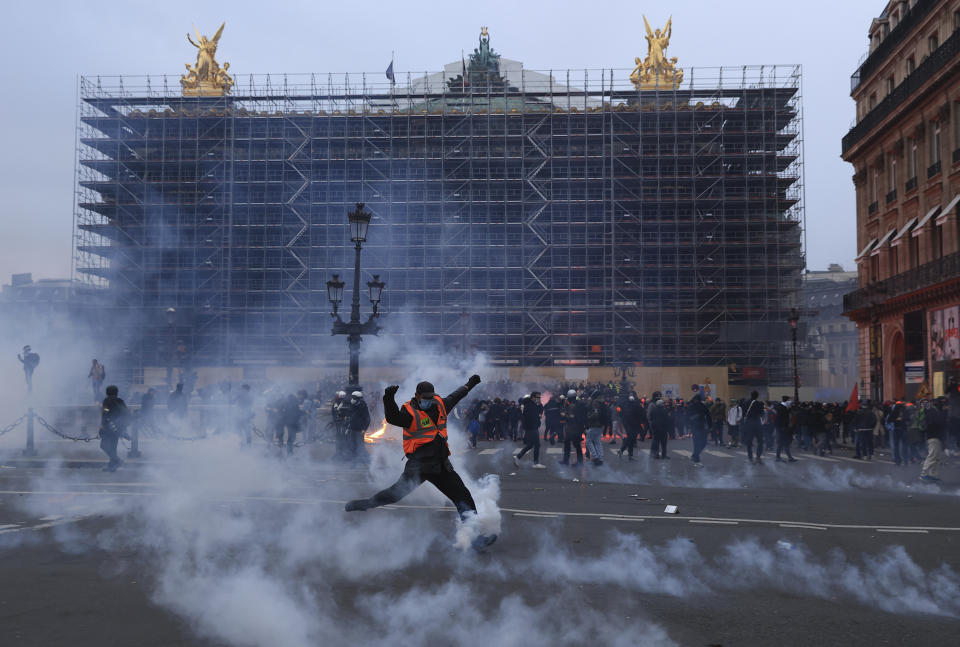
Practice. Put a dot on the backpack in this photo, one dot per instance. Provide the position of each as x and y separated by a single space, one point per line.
919 423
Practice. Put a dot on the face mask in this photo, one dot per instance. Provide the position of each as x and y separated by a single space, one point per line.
426 404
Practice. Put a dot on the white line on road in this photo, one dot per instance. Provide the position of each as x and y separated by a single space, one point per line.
620 519
554 450
683 452
712 452
539 515
801 525
487 452
916 531
716 522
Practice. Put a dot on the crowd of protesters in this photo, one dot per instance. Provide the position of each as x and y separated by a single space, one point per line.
584 416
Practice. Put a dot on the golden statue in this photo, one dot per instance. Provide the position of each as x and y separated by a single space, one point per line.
206 78
655 71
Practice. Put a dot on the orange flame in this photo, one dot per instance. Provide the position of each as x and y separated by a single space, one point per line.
374 436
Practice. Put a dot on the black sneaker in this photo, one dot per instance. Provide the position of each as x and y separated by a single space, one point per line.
357 504
482 541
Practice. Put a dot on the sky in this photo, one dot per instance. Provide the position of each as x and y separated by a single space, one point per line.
46 46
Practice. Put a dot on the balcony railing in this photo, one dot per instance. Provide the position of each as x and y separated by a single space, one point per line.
891 195
896 36
926 275
872 209
911 184
933 169
944 55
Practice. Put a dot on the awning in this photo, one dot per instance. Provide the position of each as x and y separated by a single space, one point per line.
925 220
866 249
906 228
946 210
883 241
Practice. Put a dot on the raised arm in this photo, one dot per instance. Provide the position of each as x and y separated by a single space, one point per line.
393 414
451 400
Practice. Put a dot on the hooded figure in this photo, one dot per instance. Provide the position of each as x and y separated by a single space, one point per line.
30 360
357 423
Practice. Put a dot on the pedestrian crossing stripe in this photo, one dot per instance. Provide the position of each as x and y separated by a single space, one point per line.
682 452
824 458
554 450
488 452
712 452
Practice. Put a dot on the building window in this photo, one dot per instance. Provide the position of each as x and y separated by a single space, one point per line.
938 241
956 20
874 270
912 159
914 251
872 103
892 174
933 42
894 263
874 175
911 64
956 125
934 142
890 84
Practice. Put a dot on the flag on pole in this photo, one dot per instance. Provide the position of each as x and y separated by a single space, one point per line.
854 403
390 73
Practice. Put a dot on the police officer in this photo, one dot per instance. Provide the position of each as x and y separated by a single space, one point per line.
424 422
357 423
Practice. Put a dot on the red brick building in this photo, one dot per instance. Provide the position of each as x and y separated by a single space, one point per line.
905 151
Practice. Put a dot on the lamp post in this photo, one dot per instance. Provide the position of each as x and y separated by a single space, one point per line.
794 320
172 330
355 329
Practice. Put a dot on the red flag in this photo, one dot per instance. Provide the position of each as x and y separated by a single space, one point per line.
854 403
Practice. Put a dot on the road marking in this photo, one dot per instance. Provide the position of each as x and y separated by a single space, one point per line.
554 450
537 515
716 522
712 452
683 452
620 519
487 452
918 531
801 525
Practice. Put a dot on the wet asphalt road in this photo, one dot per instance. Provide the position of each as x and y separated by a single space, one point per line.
60 586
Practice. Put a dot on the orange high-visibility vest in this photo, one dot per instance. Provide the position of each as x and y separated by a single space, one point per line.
423 430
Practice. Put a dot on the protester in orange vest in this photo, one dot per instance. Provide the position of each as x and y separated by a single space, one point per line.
424 423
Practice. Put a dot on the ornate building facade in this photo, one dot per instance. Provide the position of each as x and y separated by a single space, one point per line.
905 151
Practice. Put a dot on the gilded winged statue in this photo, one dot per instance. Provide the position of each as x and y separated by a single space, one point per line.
656 70
206 77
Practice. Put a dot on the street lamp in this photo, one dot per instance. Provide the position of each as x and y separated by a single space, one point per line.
355 329
794 320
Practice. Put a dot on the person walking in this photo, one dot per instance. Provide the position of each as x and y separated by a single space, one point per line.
30 361
113 423
698 422
531 413
574 424
934 426
597 418
783 413
553 426
718 414
97 374
634 421
734 416
424 422
661 423
864 421
753 426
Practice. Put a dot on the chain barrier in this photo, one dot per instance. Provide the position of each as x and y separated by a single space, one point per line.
46 425
9 428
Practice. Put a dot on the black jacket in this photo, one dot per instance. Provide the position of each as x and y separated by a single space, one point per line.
431 457
113 417
531 413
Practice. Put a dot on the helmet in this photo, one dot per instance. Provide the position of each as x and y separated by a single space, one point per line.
357 394
571 393
341 394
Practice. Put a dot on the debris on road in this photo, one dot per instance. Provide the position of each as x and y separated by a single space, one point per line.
670 509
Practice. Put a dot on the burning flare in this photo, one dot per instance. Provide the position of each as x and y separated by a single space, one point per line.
374 436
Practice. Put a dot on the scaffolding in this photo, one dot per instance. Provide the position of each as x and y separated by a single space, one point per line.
545 218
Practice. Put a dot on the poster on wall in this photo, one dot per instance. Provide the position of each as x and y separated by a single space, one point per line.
951 333
914 372
670 391
936 335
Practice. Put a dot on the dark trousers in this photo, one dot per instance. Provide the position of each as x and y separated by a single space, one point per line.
784 439
864 443
658 448
753 432
716 432
901 449
699 442
108 443
291 436
553 433
572 439
734 431
446 480
629 441
531 440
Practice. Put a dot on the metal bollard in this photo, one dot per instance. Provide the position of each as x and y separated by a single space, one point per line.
134 451
30 450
